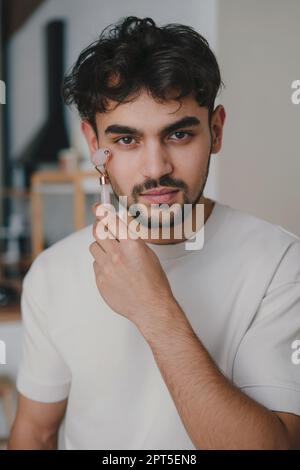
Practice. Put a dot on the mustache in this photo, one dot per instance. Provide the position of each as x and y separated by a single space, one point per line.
163 181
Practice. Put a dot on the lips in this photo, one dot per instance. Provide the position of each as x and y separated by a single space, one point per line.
160 195
155 192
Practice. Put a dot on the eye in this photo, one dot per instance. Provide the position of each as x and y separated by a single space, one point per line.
181 134
124 139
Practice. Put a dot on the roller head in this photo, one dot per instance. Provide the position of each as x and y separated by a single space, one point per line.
100 158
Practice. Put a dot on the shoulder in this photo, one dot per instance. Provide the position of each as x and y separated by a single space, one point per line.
263 243
245 226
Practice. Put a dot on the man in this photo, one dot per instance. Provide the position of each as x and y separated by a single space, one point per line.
141 343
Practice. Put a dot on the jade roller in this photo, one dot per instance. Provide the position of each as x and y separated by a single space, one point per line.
100 159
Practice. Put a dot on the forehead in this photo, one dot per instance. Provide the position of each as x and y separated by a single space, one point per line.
145 112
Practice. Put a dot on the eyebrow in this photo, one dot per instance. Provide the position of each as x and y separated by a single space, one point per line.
187 121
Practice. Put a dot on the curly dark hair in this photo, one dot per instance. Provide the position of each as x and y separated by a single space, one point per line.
170 62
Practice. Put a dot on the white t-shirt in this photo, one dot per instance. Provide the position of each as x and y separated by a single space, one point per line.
240 293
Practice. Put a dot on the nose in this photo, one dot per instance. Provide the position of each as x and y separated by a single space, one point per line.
156 162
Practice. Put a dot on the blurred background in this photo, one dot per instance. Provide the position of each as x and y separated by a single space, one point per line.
47 184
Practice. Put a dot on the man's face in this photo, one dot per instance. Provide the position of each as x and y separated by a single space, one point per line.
148 154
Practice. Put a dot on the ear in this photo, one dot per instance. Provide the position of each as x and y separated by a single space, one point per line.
90 136
217 123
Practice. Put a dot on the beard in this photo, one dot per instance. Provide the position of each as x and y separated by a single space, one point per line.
164 214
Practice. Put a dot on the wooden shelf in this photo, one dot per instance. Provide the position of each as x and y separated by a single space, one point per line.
15 283
11 193
78 179
10 313
22 267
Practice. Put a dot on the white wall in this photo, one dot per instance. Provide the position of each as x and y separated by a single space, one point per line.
258 50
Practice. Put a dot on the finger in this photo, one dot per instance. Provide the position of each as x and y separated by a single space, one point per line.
119 227
104 237
93 208
100 210
107 214
97 252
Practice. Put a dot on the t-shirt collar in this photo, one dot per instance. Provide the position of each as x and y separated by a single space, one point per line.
177 250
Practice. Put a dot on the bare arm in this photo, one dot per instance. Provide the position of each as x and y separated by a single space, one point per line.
36 425
215 413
